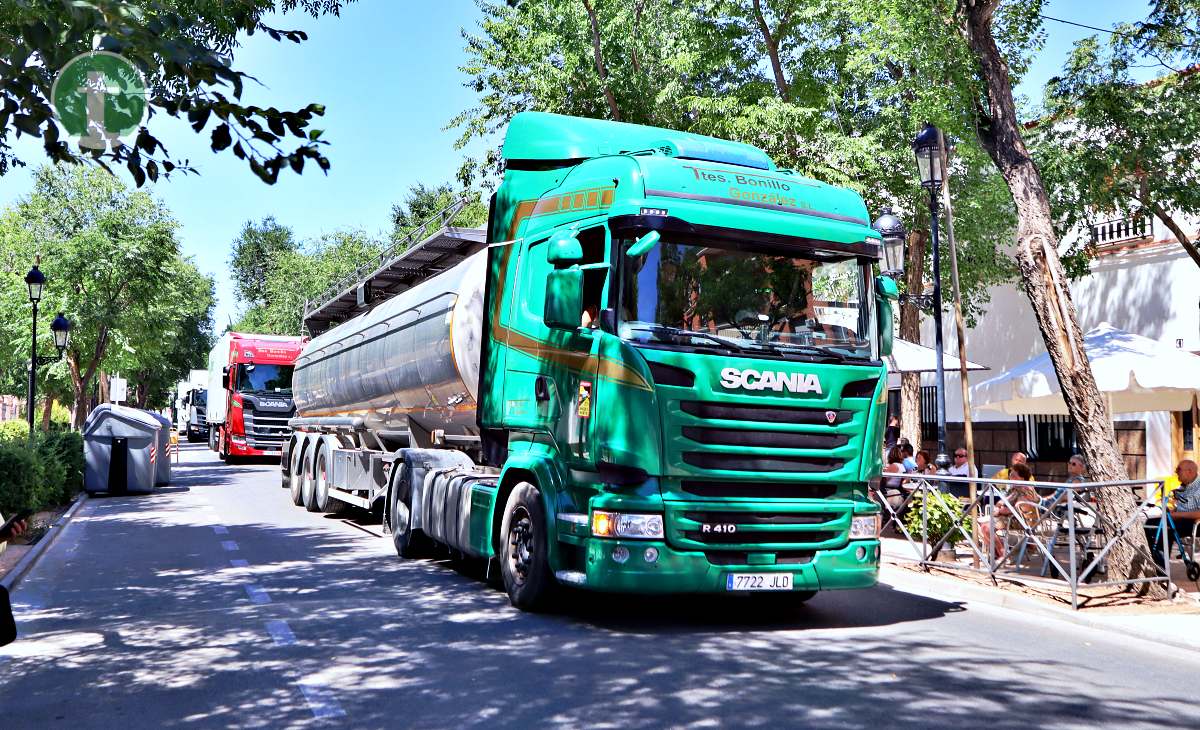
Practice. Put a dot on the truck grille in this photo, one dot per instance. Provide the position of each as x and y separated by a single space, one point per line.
783 529
266 430
758 490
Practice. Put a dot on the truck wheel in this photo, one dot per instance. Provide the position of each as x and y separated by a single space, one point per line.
408 542
223 447
307 481
296 483
321 498
524 554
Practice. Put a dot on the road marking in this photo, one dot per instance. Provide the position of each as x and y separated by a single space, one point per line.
220 529
257 594
239 563
280 632
321 701
229 545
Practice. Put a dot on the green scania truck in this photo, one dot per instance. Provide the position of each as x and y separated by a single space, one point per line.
660 371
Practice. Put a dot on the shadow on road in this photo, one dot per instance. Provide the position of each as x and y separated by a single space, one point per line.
142 620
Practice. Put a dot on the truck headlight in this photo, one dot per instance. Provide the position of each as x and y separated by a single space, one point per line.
864 527
620 524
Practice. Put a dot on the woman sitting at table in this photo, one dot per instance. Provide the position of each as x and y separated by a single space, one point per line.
1025 499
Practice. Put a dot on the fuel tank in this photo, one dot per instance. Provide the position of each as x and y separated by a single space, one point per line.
415 356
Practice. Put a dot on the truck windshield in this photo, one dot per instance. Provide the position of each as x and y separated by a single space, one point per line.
200 398
258 378
685 294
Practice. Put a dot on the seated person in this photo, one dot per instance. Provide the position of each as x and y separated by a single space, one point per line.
1185 502
1018 457
1024 499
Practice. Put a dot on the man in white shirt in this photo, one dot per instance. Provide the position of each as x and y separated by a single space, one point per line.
962 467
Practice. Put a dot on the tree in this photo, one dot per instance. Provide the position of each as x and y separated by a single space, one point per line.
833 89
109 254
253 255
303 274
1115 147
1042 274
423 202
185 51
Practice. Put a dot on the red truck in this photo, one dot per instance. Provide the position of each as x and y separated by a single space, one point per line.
250 394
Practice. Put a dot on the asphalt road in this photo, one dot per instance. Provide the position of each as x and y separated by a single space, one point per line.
216 603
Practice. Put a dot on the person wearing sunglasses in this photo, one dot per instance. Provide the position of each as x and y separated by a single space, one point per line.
961 467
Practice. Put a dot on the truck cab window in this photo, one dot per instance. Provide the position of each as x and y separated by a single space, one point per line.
594 243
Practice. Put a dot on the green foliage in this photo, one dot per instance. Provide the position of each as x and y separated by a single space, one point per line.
298 275
423 202
1111 146
254 253
835 89
22 483
113 266
184 49
942 512
14 431
47 475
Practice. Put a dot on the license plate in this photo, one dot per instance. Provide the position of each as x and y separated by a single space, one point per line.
272 452
758 582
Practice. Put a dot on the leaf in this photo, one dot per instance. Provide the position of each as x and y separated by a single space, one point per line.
198 116
276 125
221 138
135 169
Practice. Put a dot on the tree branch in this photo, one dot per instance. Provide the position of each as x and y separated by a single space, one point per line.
772 45
1173 226
601 71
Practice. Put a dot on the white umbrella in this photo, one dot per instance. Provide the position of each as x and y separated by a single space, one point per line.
1135 373
909 357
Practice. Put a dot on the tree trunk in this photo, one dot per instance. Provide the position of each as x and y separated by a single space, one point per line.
601 71
772 46
910 329
1045 284
47 408
1175 228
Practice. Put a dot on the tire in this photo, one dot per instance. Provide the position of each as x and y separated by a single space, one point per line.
321 499
408 542
524 550
192 437
307 482
296 469
222 446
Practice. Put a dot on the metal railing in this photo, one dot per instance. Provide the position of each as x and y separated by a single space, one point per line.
1122 229
427 227
1061 538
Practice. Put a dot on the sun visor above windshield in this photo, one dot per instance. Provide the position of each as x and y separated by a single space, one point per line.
553 137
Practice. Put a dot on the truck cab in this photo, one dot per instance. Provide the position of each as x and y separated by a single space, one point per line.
685 347
249 398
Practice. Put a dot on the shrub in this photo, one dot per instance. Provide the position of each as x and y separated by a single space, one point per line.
62 455
15 430
22 479
48 474
942 512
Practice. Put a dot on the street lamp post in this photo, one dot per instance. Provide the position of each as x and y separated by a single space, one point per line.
927 148
61 327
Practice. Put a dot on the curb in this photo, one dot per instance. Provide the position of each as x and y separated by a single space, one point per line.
23 566
938 587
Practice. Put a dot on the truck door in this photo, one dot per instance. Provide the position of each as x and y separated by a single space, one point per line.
551 380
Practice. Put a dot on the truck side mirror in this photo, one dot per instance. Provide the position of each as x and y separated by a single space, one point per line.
564 299
563 249
643 244
225 371
886 292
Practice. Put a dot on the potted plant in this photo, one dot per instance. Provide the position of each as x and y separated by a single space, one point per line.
942 512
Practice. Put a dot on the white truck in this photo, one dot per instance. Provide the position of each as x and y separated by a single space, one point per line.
191 405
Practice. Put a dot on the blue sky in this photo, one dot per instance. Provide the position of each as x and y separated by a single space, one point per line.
387 72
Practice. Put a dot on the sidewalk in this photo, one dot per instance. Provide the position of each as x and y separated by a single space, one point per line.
1175 624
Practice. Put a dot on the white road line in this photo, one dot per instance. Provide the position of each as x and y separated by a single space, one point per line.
280 632
229 545
321 701
220 529
239 563
257 594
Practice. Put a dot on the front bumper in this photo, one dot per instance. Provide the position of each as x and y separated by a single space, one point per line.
236 449
678 571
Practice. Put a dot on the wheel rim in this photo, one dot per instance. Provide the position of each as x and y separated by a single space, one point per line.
520 545
400 519
322 487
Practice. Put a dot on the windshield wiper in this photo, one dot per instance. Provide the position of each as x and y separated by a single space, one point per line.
681 332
